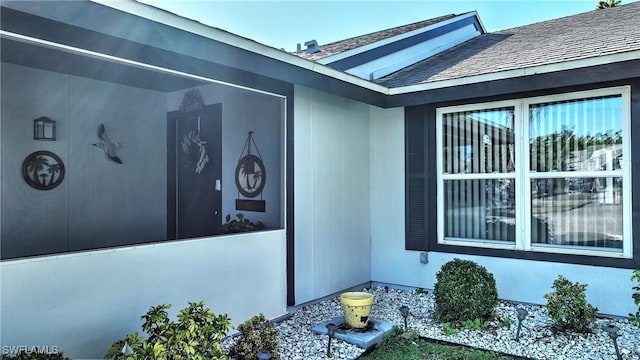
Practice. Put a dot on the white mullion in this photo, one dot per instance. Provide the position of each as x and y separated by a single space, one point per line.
523 180
479 176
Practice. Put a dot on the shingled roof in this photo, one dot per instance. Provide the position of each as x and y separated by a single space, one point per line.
362 40
582 36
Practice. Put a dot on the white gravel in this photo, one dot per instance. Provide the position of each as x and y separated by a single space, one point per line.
537 340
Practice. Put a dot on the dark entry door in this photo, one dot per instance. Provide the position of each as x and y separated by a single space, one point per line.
194 172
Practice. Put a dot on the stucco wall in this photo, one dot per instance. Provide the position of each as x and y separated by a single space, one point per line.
609 289
83 302
332 218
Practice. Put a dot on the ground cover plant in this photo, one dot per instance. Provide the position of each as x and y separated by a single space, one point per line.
412 347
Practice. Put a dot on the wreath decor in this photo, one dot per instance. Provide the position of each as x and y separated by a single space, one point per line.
194 151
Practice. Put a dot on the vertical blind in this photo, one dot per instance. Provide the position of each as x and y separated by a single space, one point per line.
480 143
583 140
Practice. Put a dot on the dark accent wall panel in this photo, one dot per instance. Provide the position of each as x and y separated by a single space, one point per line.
635 171
415 219
289 92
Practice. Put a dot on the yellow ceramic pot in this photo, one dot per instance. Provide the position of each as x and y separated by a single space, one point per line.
356 307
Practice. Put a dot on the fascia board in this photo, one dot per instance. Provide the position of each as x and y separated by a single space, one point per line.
508 74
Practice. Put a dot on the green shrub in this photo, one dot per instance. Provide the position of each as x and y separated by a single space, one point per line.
421 291
196 335
34 355
568 307
464 291
256 334
241 225
474 324
635 318
449 329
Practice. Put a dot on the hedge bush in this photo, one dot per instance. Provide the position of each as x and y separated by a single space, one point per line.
464 290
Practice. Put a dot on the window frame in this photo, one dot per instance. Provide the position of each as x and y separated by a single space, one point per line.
523 175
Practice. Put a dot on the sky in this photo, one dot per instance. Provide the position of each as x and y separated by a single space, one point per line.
283 24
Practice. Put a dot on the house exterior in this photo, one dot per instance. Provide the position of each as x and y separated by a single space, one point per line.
373 160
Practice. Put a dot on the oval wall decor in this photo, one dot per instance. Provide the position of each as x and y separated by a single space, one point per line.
250 176
43 170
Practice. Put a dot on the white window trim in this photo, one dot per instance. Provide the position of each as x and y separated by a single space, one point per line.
523 176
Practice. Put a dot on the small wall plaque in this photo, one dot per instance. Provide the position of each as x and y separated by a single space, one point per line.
251 205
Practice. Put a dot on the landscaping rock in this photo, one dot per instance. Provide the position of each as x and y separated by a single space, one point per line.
537 339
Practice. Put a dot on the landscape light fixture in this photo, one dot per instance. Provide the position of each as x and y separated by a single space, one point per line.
614 334
522 314
404 311
44 129
331 331
263 355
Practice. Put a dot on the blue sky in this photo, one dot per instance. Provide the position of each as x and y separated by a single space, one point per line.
283 24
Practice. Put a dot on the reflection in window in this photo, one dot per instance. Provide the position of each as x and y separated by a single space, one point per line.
478 141
585 212
584 137
579 135
480 209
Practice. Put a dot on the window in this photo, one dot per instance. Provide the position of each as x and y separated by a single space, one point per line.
539 174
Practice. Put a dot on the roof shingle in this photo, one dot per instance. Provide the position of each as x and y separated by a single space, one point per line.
587 35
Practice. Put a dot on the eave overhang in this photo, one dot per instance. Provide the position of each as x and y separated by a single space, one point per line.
147 35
